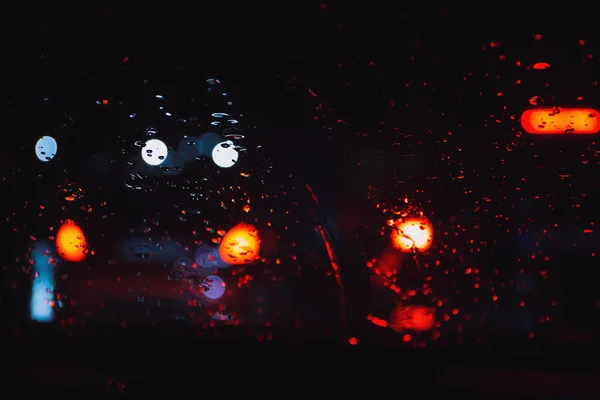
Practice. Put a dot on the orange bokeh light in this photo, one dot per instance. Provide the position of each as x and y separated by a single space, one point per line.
417 318
241 245
548 121
411 234
70 242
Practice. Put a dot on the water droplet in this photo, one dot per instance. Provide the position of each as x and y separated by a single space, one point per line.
219 115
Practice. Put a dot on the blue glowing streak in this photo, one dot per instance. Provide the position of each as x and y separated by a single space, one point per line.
43 285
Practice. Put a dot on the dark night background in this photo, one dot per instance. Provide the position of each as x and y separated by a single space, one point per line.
373 68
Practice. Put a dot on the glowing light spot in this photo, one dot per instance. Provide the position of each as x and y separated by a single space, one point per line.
541 66
46 148
154 152
225 155
214 287
70 242
241 245
412 234
42 296
417 318
543 121
41 300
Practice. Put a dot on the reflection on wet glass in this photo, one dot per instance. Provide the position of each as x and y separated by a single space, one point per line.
461 213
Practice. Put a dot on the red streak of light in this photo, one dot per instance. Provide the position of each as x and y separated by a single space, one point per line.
313 195
333 260
330 253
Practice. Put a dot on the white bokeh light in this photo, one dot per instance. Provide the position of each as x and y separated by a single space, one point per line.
154 152
46 148
224 154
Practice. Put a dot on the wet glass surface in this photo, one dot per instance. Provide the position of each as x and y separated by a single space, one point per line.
389 178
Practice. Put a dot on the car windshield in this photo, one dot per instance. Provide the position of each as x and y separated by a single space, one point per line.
411 177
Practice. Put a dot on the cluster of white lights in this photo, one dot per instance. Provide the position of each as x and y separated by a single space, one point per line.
155 152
